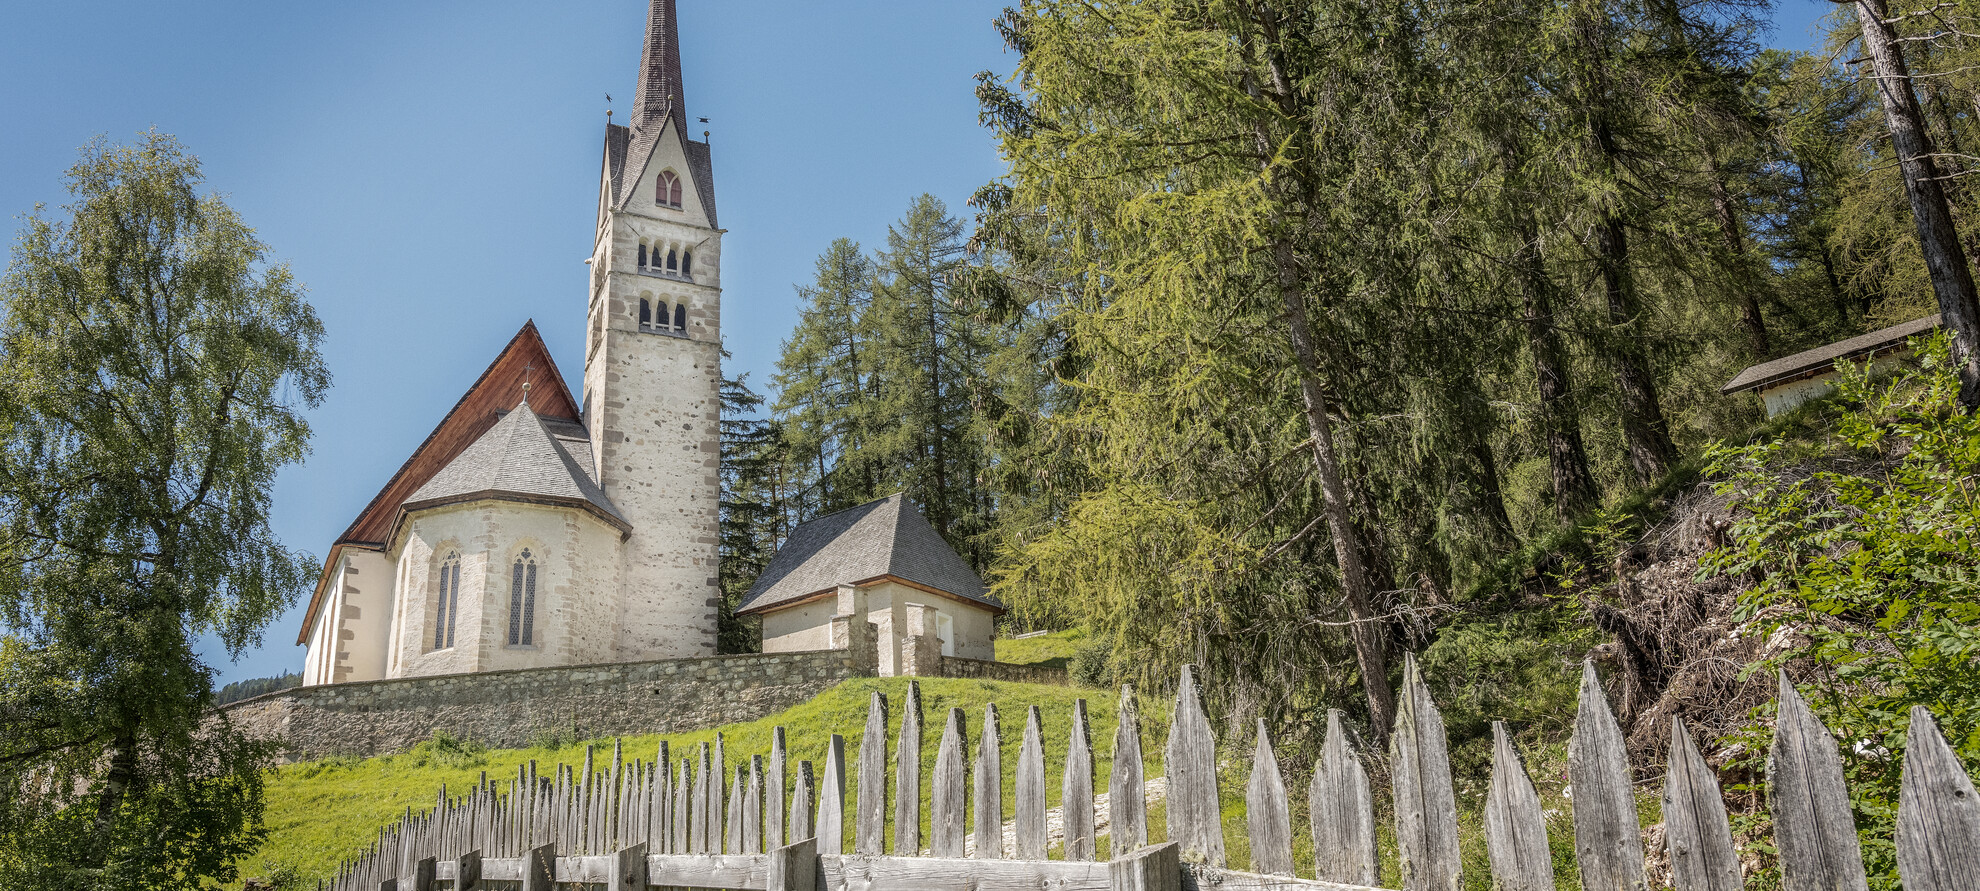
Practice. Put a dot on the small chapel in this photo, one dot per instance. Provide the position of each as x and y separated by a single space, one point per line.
535 527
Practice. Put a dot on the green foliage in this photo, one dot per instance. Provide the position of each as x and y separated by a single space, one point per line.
1864 563
157 366
253 687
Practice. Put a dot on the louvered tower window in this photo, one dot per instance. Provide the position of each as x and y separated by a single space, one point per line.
450 602
522 601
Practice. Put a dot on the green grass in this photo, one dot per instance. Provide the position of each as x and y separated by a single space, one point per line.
320 812
1054 648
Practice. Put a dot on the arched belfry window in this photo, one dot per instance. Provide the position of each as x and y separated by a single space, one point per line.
667 191
673 261
680 317
687 262
646 313
642 255
450 602
522 600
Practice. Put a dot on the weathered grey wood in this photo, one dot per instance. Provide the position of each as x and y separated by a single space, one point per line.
1270 818
773 793
424 873
1076 789
539 872
1814 828
752 823
698 828
1209 878
628 869
802 825
855 873
1938 831
988 788
1341 810
794 867
831 822
684 808
1426 803
907 776
949 804
660 834
1029 835
732 833
716 809
1147 868
1608 835
870 815
1195 818
467 871
1127 805
1515 826
704 871
1695 828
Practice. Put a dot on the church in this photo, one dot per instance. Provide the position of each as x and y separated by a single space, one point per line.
534 529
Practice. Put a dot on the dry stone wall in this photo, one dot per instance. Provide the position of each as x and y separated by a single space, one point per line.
514 708
955 667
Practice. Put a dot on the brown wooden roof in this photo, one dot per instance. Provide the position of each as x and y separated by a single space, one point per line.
499 389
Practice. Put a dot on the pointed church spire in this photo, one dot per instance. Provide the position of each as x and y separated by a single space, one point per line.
659 93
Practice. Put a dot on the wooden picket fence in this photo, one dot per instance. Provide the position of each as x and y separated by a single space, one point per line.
638 825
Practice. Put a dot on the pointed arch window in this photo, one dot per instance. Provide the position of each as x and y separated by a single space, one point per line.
522 600
450 602
680 318
667 191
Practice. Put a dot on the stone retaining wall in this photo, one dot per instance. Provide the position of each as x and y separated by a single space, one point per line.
956 667
515 708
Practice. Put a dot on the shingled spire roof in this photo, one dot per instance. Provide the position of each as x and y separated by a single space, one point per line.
659 95
885 539
519 459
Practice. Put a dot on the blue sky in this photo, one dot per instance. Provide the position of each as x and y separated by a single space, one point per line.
429 169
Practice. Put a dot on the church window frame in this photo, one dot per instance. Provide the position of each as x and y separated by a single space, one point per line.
680 317
448 603
646 313
687 264
667 189
673 261
642 255
523 573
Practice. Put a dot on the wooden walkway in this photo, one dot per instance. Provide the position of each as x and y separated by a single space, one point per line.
672 824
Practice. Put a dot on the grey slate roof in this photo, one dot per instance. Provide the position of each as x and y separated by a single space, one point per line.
658 103
880 538
1822 358
521 458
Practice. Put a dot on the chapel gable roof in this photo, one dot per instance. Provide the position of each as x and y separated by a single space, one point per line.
526 359
877 540
1820 359
523 459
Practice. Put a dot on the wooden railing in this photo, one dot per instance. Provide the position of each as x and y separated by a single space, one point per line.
637 825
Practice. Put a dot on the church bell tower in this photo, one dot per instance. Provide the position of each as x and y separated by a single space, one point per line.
652 370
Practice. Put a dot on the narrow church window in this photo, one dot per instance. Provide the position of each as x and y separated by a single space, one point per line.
673 264
687 262
522 600
646 313
668 190
680 318
642 255
450 602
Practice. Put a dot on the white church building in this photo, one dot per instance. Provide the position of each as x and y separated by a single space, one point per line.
534 529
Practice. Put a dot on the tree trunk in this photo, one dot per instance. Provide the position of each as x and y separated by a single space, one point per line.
1952 278
1369 631
1744 280
1567 459
122 758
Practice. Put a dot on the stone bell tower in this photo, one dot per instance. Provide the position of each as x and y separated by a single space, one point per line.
652 370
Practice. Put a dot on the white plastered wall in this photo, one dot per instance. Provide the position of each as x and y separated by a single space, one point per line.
808 626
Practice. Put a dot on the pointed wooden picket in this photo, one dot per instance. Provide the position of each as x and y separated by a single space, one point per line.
698 828
1938 831
1270 818
1515 826
1426 803
870 814
659 835
732 832
773 793
1195 816
685 805
1029 837
802 825
831 822
907 776
949 801
988 789
1696 831
1341 811
1076 791
752 831
1127 808
1814 827
1608 835
717 804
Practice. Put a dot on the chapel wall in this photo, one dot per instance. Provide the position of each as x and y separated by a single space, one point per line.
509 709
363 586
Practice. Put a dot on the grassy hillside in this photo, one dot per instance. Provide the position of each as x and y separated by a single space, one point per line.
322 811
1053 648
